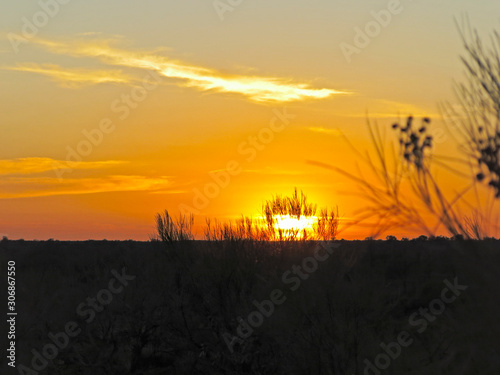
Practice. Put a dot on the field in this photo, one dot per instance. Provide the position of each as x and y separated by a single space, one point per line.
250 307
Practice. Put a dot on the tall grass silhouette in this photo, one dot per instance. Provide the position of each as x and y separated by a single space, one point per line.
477 119
170 229
404 191
323 227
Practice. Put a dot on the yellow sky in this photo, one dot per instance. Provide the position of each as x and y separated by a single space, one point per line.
113 112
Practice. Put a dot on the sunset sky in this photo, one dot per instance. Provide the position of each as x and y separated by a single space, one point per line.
114 110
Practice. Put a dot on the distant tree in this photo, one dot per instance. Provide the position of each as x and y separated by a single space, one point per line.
391 238
441 238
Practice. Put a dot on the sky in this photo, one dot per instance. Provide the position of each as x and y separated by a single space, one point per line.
114 110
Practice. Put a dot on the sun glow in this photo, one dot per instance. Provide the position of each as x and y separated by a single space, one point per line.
291 226
287 222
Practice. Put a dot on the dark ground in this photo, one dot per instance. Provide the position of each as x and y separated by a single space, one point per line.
433 305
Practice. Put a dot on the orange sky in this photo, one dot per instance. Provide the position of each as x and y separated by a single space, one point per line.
114 111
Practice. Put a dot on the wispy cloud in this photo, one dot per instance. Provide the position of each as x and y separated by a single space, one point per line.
24 187
273 171
173 191
381 108
39 165
254 87
73 77
329 131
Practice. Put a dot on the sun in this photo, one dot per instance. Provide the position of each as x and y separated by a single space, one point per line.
289 217
291 223
290 226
